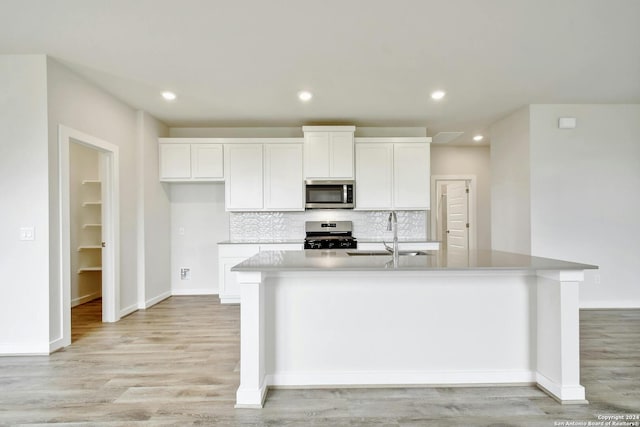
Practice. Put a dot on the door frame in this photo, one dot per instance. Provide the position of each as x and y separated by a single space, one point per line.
472 179
109 167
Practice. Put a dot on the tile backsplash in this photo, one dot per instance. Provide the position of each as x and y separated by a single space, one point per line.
256 226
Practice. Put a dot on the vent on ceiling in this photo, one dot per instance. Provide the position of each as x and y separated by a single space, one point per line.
445 137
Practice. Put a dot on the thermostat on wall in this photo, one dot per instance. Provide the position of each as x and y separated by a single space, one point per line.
567 122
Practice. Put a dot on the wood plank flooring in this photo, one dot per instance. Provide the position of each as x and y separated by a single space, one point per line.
177 364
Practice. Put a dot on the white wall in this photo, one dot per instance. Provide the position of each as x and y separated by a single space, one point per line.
585 196
198 223
78 104
84 165
154 216
510 176
468 161
24 197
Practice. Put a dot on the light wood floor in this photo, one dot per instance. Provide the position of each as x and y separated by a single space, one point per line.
177 364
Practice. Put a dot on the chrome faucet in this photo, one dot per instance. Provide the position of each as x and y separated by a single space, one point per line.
392 224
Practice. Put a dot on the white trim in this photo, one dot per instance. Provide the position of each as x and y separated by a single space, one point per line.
195 291
85 298
473 205
398 378
609 305
328 128
230 141
128 310
26 349
140 252
564 394
109 164
155 300
385 139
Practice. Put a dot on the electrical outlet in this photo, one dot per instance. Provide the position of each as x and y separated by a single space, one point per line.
185 274
27 233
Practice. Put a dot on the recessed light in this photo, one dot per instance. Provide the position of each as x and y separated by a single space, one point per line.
439 94
169 96
478 138
305 96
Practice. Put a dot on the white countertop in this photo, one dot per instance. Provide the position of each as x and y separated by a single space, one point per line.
301 241
340 260
260 241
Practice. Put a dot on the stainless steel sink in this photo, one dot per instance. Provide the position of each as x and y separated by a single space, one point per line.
386 253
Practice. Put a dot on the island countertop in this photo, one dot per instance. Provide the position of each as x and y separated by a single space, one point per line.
340 260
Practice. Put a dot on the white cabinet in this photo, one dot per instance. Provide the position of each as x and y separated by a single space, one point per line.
207 161
411 176
328 152
232 254
175 161
263 177
243 187
374 176
283 184
228 256
392 175
190 159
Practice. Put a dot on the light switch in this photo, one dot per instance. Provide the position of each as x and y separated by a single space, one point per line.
567 123
27 233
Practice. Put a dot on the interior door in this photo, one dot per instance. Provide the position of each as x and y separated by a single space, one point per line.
457 216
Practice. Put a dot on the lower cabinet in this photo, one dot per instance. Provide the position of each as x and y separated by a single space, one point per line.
230 254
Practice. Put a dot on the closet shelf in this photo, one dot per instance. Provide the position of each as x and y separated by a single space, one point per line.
91 181
88 269
91 225
85 247
85 204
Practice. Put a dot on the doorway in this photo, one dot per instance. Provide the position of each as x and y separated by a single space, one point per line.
102 192
453 216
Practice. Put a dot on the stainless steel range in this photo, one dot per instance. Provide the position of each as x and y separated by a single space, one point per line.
329 235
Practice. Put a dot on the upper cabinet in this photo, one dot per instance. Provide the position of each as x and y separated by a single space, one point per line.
391 174
264 177
190 159
283 184
328 152
243 187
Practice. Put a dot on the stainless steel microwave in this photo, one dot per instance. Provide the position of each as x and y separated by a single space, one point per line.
325 194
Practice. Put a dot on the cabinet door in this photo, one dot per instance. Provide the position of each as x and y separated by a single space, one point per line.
175 161
206 161
316 155
243 187
283 181
341 155
411 176
374 176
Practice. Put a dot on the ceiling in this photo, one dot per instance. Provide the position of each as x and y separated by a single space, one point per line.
367 62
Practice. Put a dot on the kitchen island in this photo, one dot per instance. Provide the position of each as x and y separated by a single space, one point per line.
341 318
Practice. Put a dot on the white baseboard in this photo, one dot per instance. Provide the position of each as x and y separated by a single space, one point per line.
56 344
194 291
24 349
85 298
611 305
155 300
374 378
128 310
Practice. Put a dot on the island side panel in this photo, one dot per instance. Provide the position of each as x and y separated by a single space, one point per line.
253 387
558 335
395 327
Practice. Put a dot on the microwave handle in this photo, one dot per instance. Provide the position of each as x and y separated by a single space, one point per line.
344 193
